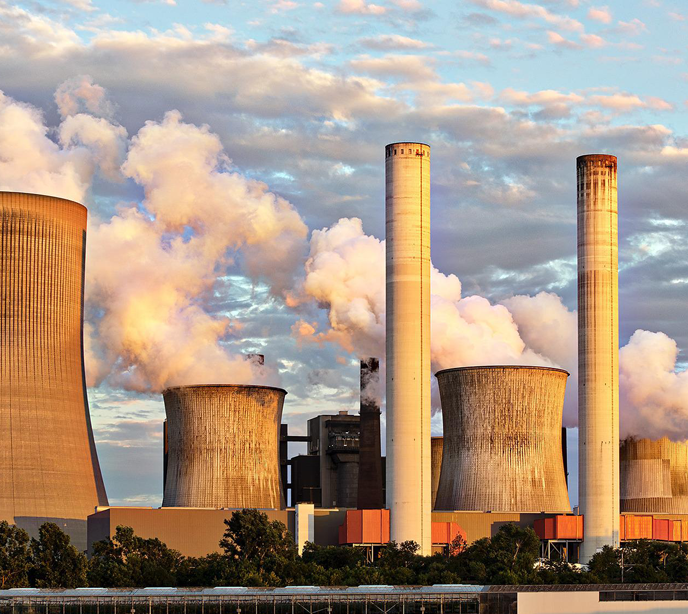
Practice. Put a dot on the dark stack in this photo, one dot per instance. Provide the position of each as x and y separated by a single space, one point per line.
370 457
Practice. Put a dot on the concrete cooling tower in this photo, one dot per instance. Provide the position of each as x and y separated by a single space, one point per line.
654 476
502 440
436 444
223 446
48 464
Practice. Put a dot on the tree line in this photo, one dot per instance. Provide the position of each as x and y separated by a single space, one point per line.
259 552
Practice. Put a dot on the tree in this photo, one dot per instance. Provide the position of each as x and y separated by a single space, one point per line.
130 560
251 536
15 559
55 562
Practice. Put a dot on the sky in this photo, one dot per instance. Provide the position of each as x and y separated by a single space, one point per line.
231 157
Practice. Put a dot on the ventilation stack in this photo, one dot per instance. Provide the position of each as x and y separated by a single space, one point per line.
370 455
598 352
502 440
49 468
223 446
407 170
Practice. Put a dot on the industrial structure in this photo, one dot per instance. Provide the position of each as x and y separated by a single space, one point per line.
370 492
223 446
436 448
407 212
502 440
654 476
598 352
49 469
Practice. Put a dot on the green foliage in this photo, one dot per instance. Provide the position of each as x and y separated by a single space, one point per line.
129 560
55 562
15 558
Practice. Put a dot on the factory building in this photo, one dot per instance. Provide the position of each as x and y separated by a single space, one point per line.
598 351
370 489
502 440
407 212
654 476
223 446
48 463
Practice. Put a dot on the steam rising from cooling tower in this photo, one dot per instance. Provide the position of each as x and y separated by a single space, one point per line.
407 169
598 352
49 468
223 446
502 440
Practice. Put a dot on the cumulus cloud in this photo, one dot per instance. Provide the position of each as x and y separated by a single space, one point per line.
521 10
360 7
151 326
81 95
600 13
392 42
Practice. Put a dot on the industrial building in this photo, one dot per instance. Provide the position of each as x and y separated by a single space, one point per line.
598 351
48 463
223 446
502 440
407 213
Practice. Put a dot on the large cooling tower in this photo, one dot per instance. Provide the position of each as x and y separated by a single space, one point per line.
436 448
654 476
502 440
48 464
598 352
223 446
407 207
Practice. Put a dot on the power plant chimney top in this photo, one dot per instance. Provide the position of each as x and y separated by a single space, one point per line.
407 143
256 386
483 367
588 158
67 200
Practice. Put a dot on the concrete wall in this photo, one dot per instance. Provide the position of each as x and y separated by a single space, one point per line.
587 602
502 440
407 206
598 351
436 444
223 446
48 464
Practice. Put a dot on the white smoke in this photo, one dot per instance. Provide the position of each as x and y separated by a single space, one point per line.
654 396
32 162
153 266
81 95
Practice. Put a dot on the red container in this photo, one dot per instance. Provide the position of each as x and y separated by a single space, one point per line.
444 533
365 527
559 527
639 527
676 530
660 529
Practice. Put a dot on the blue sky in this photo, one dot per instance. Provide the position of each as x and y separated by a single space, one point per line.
303 96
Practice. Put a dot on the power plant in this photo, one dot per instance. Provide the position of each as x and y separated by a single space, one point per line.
223 443
502 456
407 213
598 352
502 440
48 463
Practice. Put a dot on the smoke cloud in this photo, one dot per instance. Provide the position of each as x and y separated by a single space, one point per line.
153 266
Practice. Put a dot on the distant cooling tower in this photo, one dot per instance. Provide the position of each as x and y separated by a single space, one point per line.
654 476
223 446
48 464
436 444
502 440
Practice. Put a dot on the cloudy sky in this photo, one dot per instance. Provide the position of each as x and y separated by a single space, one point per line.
231 156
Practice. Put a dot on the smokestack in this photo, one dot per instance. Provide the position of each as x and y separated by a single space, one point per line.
370 455
598 352
407 170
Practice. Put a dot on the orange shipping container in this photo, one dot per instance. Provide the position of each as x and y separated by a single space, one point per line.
568 527
446 532
676 532
365 527
660 529
638 527
622 528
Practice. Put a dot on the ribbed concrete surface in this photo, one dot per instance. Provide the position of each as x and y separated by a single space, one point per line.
436 444
502 440
598 351
48 464
654 476
223 446
407 213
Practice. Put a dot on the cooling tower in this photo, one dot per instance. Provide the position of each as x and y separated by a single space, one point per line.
654 476
436 444
48 464
598 352
407 206
502 440
369 453
223 443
